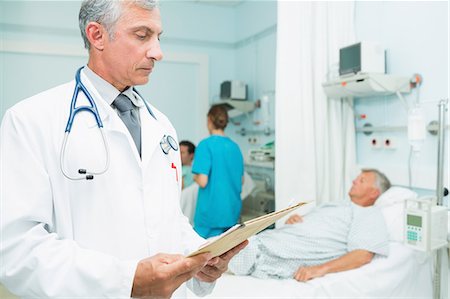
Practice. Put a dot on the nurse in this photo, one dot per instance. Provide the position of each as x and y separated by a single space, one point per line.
219 170
121 234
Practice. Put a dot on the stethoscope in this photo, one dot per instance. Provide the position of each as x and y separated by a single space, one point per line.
167 142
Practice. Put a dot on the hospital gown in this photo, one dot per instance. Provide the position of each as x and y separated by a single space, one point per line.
328 232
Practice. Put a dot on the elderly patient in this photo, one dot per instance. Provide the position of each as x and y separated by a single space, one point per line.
335 236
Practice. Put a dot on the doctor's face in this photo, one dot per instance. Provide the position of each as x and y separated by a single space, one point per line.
129 57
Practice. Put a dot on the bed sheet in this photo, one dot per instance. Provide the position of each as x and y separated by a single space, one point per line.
404 274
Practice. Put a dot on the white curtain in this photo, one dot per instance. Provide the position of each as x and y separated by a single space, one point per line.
315 136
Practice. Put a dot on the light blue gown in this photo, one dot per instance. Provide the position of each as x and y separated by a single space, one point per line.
328 232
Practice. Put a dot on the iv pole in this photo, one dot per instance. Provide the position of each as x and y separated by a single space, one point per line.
440 191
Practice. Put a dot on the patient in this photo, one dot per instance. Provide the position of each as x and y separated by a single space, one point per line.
187 150
335 236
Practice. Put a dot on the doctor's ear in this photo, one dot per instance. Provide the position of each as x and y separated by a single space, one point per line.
96 34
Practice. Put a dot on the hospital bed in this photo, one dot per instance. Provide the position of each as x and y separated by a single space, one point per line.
405 273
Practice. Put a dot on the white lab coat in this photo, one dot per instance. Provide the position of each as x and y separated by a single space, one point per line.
63 238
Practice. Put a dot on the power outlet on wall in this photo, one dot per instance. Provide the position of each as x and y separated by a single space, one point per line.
375 143
253 140
389 143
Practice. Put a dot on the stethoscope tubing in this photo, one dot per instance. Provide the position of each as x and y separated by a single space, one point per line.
86 175
74 110
166 143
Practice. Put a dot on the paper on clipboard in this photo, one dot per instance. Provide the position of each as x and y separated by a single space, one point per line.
241 232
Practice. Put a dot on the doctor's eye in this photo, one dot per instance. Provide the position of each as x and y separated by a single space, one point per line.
141 36
159 36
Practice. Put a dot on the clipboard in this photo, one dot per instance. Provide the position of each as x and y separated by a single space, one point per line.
241 232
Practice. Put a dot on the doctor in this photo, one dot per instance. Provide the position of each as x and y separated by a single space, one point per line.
122 233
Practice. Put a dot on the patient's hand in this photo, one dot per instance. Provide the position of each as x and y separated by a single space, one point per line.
294 219
351 260
308 273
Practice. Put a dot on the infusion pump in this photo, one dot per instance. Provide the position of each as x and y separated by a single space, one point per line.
426 224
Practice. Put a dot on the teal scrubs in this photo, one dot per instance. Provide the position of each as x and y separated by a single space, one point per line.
219 203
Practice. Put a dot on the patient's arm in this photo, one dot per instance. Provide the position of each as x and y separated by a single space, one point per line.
353 259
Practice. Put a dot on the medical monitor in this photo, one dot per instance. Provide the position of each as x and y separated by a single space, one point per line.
362 57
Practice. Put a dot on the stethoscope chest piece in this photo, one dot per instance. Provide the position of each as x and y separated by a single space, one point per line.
167 143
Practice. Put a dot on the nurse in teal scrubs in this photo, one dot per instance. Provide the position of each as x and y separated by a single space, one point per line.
218 170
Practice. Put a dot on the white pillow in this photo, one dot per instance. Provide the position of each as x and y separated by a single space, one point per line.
391 204
394 195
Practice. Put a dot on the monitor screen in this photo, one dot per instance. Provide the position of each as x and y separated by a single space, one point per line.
350 59
414 220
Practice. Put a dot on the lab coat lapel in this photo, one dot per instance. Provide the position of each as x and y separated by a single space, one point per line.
151 134
151 130
104 110
111 121
112 124
87 117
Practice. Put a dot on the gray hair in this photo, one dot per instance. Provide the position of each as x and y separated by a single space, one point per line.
107 13
382 183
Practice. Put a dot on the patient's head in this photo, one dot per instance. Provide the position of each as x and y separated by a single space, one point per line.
368 186
187 150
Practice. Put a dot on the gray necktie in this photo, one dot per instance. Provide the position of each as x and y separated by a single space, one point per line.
128 114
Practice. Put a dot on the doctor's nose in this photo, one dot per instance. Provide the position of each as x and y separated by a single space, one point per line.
155 52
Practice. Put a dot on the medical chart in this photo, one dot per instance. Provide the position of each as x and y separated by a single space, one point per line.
241 232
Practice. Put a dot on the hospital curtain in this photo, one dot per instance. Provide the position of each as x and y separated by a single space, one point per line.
315 136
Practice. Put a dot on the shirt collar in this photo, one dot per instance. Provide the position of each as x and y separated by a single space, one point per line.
107 91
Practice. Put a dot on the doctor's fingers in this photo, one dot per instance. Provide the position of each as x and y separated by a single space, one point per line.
166 258
179 265
161 286
218 265
162 267
164 273
213 270
227 256
191 267
209 274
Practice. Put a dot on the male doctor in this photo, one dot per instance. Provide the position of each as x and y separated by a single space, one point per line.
121 234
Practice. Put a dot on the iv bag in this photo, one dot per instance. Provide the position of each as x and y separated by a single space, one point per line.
262 116
265 110
416 128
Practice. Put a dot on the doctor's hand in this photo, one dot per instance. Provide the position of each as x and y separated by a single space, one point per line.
294 219
218 265
160 275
